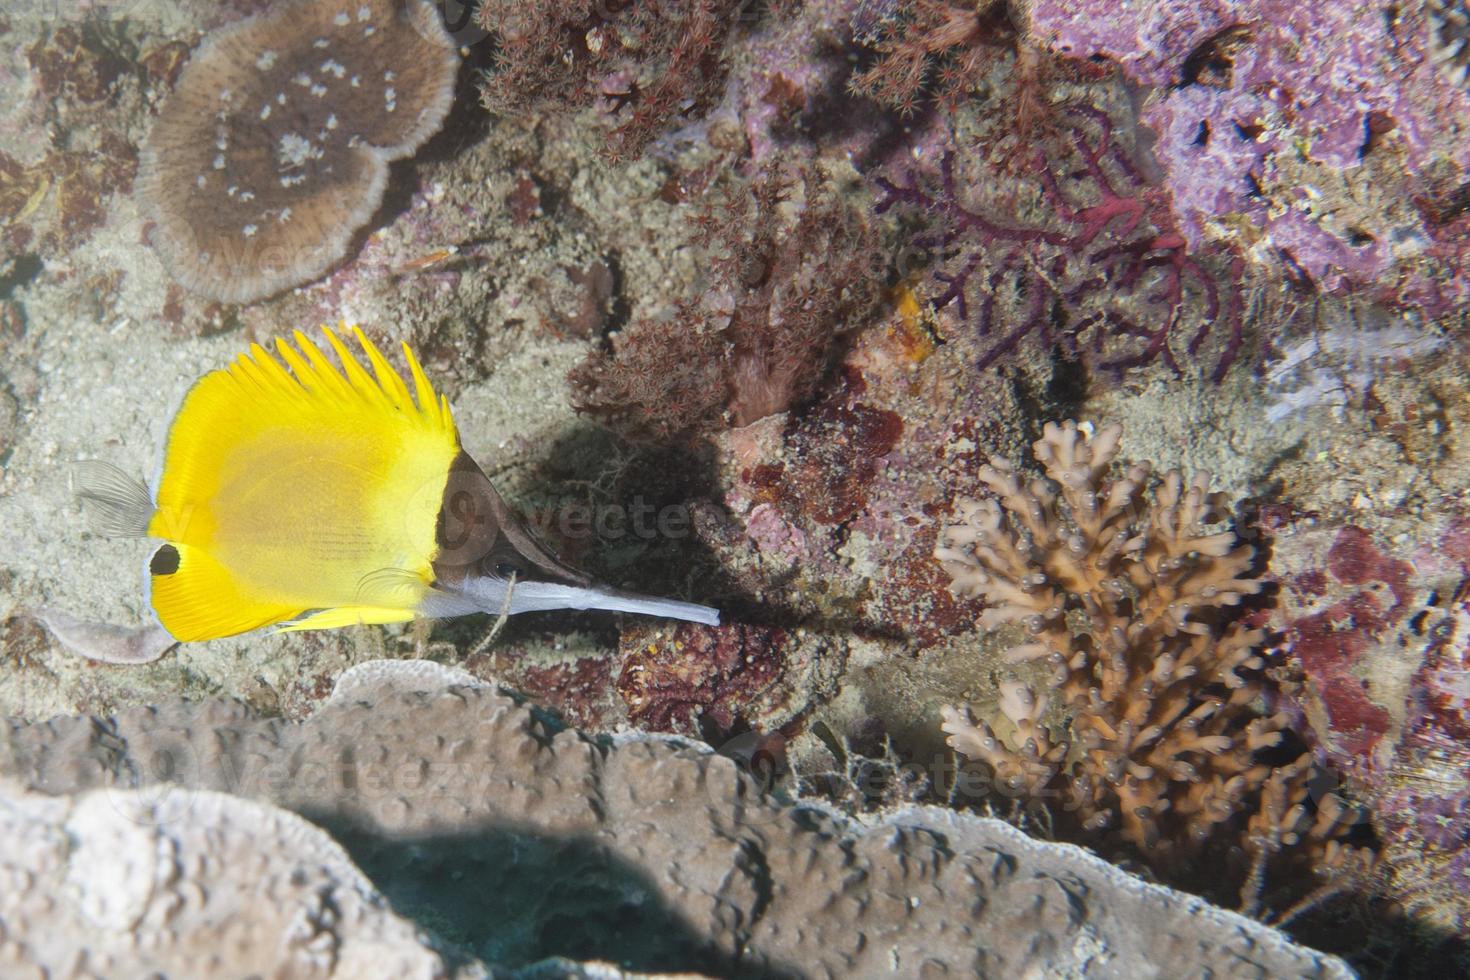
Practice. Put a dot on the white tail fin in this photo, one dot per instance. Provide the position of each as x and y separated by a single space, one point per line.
117 505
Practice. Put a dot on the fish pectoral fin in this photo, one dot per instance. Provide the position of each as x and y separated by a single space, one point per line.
196 598
328 619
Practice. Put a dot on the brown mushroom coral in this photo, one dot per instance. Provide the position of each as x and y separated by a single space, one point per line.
1126 594
274 147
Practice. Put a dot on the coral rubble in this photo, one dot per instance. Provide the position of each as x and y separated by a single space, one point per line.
274 147
496 831
1126 596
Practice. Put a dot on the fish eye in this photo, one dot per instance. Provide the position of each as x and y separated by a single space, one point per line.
506 569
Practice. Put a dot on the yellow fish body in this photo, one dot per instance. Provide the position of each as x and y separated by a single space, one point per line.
296 492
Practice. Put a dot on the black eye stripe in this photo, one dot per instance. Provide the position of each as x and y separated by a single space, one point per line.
165 561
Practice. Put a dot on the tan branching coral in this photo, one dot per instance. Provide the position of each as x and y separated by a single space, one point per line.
1126 592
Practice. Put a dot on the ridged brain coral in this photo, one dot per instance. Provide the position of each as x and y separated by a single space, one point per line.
274 148
1127 594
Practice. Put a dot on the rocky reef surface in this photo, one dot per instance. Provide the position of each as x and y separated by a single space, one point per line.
458 834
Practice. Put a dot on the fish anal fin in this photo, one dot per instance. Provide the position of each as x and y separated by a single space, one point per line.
347 616
196 598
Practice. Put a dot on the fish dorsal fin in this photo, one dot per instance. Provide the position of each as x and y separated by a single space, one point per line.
315 386
296 477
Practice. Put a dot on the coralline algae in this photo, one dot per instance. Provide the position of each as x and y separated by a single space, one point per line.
1261 105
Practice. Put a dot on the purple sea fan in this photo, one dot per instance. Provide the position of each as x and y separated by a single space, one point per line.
1078 251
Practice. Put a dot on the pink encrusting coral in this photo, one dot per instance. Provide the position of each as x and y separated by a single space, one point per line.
676 680
1381 633
1426 812
1129 596
1296 130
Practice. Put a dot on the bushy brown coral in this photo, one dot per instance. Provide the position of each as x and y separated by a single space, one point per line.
1127 593
792 264
648 62
941 52
931 47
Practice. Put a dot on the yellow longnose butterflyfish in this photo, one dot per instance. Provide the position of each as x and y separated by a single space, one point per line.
307 495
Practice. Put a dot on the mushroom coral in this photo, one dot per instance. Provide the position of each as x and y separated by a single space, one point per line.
274 148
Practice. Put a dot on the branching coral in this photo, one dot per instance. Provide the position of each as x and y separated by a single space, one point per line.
656 61
792 264
1081 254
1126 594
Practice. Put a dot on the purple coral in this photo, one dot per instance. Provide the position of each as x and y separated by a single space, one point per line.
1270 114
1083 255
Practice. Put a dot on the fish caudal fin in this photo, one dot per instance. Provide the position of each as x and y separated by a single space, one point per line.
196 598
117 505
